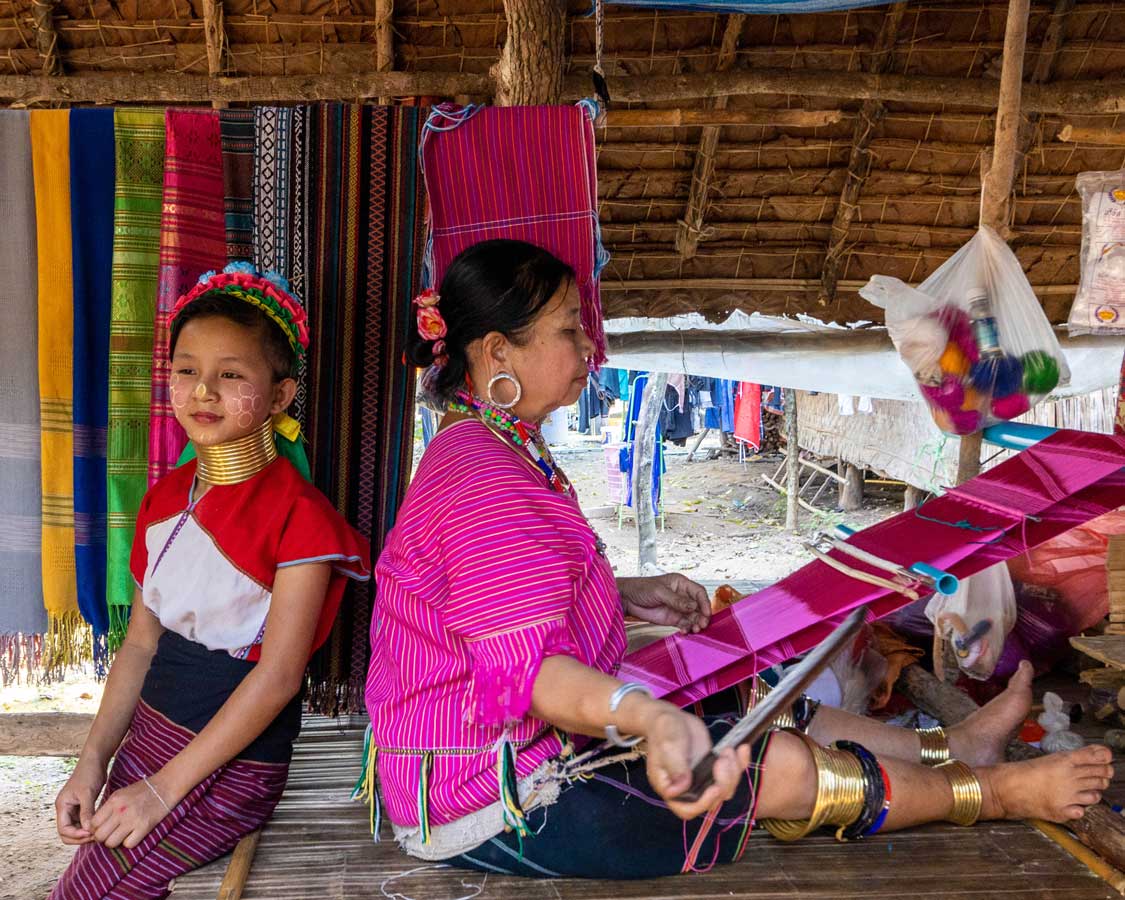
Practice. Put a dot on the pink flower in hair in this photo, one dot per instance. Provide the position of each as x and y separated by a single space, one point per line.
428 298
431 326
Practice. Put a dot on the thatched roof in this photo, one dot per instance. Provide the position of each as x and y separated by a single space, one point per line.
766 219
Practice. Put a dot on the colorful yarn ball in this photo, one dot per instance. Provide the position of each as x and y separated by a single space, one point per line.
966 421
953 361
1040 372
997 375
960 330
949 395
1011 406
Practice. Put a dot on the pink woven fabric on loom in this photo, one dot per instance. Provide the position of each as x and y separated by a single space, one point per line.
192 241
522 172
1062 482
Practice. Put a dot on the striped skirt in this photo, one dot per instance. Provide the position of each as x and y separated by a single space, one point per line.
207 823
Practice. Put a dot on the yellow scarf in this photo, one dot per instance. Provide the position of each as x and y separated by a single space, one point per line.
50 152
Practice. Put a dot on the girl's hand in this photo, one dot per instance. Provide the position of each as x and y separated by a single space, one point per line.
676 741
669 599
74 805
127 816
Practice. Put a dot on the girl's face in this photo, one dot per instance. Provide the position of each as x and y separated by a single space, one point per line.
222 386
552 362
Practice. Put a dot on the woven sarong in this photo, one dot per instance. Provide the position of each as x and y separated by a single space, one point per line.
192 241
236 127
139 160
1063 481
22 616
91 223
524 172
50 150
207 823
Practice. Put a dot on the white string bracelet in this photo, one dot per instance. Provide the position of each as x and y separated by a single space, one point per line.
156 794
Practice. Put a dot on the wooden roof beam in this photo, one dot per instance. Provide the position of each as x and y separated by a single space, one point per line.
1061 97
691 225
1044 67
46 36
867 125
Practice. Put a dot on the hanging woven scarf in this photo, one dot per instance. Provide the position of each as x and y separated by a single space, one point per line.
362 256
522 172
1063 481
139 160
91 222
192 241
236 127
50 151
22 616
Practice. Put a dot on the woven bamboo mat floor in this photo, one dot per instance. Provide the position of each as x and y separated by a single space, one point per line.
317 846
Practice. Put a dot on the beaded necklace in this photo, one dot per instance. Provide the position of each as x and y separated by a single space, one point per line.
518 432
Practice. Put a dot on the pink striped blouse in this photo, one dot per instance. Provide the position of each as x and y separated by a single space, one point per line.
486 572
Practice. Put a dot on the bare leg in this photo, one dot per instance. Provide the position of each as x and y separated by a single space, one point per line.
978 741
1056 787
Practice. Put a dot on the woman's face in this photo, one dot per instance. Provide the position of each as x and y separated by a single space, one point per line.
222 386
551 361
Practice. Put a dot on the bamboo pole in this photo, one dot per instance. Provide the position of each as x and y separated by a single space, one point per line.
1108 137
46 36
792 461
644 458
680 117
1001 173
690 228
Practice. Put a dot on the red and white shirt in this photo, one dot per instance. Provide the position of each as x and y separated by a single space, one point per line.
206 568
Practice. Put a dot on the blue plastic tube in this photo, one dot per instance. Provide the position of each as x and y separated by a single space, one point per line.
1016 435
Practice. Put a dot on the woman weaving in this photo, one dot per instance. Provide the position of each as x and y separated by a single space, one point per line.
499 626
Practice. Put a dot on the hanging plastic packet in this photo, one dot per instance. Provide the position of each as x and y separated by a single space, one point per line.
974 336
976 620
1099 306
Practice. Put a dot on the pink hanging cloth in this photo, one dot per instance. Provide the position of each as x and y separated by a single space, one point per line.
748 414
192 241
527 173
1060 483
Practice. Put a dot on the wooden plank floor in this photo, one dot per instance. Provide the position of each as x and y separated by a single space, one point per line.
317 846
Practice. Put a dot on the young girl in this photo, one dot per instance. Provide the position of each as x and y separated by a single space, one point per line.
240 567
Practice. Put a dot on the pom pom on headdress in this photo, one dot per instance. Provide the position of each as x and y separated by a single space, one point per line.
268 291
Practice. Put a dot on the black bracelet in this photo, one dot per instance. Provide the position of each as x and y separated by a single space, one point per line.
874 793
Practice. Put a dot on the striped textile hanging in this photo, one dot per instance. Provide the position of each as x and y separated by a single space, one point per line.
192 241
236 128
23 618
91 222
362 254
50 152
139 158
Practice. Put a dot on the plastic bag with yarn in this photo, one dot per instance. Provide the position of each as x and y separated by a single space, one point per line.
1099 305
975 621
974 336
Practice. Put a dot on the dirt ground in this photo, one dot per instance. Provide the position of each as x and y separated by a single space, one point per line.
723 523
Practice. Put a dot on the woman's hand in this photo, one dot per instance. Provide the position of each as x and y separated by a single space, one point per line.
676 740
128 815
668 599
74 805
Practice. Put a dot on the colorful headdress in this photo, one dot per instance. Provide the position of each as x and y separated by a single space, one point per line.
266 291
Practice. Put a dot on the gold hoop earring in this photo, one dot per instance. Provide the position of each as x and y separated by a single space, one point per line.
504 376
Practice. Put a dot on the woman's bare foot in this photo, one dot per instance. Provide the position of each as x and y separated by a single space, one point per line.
981 738
1056 787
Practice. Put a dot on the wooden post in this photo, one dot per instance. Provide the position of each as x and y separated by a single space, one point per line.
215 38
644 458
793 462
384 40
998 182
867 126
530 69
851 491
46 37
913 497
691 225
